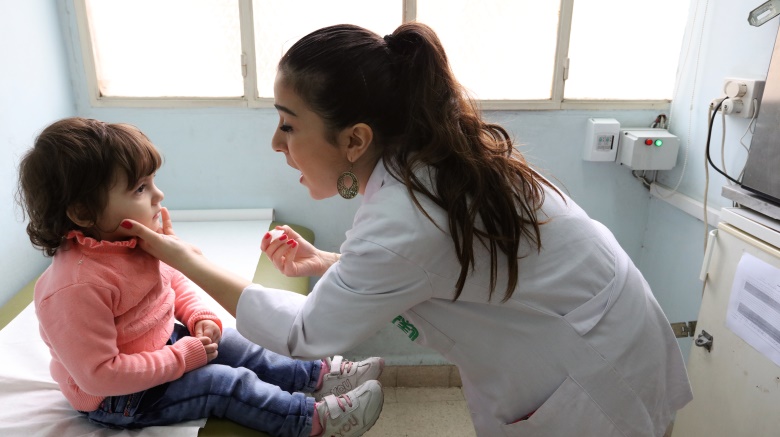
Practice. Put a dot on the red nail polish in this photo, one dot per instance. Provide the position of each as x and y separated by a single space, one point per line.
267 236
126 224
291 242
283 237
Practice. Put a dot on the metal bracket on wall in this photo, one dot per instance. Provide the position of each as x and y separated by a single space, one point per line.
704 340
684 329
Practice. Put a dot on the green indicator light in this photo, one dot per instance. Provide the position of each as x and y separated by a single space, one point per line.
659 143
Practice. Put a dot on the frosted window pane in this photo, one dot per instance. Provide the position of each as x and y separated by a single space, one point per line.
498 49
279 24
625 50
172 48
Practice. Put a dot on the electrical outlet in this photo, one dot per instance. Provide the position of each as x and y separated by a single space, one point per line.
744 96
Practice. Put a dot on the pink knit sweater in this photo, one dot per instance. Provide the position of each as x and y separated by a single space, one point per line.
106 311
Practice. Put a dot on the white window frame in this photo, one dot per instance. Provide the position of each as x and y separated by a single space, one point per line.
409 8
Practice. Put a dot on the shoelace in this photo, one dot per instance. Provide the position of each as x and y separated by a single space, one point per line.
346 398
347 364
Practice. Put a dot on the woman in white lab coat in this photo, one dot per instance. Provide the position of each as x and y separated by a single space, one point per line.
457 241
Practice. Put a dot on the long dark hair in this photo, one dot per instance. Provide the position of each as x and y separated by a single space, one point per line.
402 86
74 162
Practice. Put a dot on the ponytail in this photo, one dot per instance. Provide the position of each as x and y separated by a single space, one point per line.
480 178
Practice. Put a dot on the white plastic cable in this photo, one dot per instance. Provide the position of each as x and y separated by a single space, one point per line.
693 88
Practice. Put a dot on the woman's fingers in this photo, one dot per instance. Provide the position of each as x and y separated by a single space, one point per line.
281 251
164 246
289 267
135 229
278 234
275 253
167 223
271 237
150 241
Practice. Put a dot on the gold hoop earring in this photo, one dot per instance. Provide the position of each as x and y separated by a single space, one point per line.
347 192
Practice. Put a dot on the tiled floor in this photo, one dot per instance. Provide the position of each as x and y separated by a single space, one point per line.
423 412
426 412
425 401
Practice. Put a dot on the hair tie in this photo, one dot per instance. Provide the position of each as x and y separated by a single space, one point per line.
388 39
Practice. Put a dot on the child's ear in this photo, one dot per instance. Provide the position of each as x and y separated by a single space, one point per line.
77 214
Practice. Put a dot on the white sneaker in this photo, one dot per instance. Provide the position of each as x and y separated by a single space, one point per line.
353 413
345 375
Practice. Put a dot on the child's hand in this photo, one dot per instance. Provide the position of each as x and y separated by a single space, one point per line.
211 348
208 328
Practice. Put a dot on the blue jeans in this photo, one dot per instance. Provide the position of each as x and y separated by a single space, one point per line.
246 383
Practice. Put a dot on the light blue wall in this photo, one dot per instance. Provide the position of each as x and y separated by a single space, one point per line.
34 91
221 158
674 242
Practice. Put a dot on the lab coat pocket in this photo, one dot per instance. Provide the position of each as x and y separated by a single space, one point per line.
570 411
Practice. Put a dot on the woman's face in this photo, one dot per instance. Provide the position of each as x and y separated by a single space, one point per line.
301 136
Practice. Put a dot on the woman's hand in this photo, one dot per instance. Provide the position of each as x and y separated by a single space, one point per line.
223 285
163 243
292 255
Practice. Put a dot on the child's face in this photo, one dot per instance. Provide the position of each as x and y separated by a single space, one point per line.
140 203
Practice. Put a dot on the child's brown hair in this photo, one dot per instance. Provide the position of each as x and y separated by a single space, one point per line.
71 167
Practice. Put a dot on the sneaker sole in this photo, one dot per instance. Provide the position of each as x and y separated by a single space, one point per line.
381 407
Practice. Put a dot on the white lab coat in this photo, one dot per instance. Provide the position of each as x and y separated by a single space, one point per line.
582 342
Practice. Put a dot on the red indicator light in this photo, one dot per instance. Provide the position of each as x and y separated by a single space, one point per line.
648 142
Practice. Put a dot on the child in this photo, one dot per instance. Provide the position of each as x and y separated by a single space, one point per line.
107 310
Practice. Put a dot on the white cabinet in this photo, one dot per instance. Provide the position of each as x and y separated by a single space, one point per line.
736 389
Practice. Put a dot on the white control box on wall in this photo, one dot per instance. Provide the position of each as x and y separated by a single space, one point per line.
648 149
601 139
